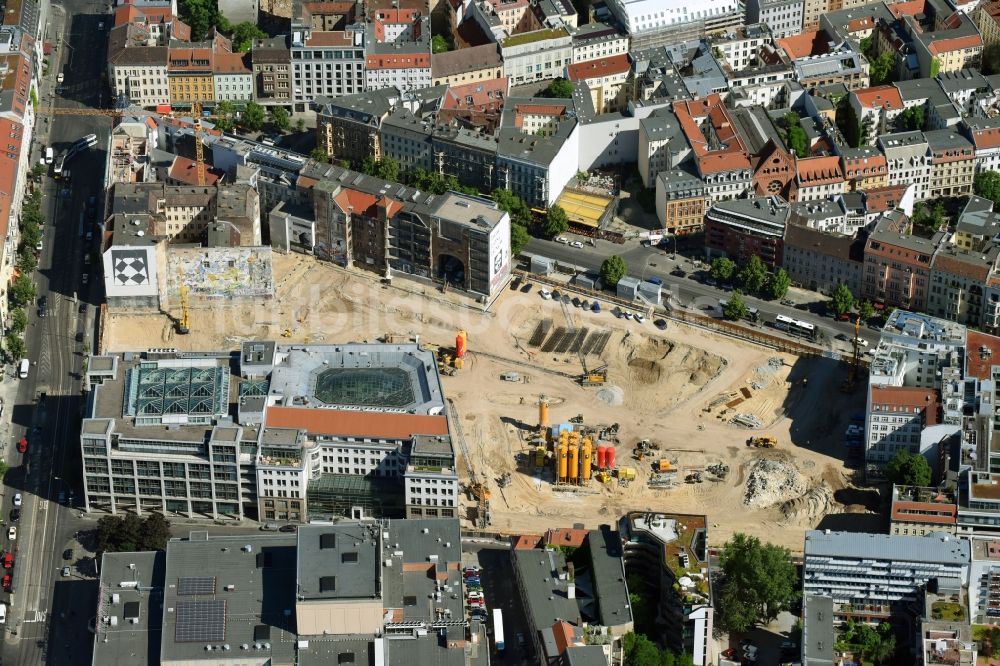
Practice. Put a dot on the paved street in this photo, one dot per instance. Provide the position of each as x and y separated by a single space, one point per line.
48 405
645 262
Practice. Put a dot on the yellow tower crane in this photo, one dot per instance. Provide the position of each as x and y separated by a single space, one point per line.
184 325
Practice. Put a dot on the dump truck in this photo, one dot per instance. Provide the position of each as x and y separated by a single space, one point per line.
762 442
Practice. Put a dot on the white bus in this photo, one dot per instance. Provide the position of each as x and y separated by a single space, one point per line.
802 329
498 629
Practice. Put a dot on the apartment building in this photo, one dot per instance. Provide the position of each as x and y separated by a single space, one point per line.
877 109
987 19
963 265
720 153
538 148
476 63
897 266
240 445
537 55
915 357
819 178
865 168
985 136
919 511
662 145
272 71
907 157
681 202
327 63
669 553
135 70
398 50
593 41
233 78
872 576
741 228
652 23
952 162
342 594
605 78
782 17
819 261
984 581
347 127
818 60
190 73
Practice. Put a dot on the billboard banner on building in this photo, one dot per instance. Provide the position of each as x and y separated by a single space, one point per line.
500 253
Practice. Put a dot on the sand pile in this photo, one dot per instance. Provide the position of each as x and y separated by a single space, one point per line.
771 482
817 502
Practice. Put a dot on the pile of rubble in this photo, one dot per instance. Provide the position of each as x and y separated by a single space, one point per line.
771 482
817 502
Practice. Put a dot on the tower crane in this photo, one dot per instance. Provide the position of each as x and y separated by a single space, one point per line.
195 113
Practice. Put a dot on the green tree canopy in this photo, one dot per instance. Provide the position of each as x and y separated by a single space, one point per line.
842 300
555 222
987 186
26 262
319 155
736 308
18 320
244 34
252 118
22 291
758 582
866 310
225 112
613 269
912 119
519 237
848 123
560 88
386 168
778 284
991 59
202 15
127 533
15 346
795 136
883 69
908 469
280 119
520 212
439 44
753 276
723 269
640 651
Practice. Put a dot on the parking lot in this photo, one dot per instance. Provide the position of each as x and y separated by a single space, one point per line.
500 591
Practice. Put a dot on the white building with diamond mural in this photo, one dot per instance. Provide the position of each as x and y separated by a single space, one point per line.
132 265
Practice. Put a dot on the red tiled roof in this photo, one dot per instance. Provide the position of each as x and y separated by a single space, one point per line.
861 24
811 42
907 398
976 365
986 138
977 271
814 171
884 97
719 162
881 199
354 200
733 154
565 536
594 69
526 542
481 95
230 63
866 167
905 511
377 425
908 8
563 633
183 170
127 14
13 132
180 30
321 38
939 46
398 61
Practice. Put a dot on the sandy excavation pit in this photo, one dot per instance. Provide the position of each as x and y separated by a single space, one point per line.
659 384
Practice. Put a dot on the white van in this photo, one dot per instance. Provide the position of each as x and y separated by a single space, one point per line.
49 155
22 368
3 613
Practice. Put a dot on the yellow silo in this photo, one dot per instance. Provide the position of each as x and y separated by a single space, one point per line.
562 462
587 460
543 414
574 462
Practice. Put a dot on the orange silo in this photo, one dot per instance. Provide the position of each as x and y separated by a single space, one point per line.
543 414
574 462
586 461
562 461
461 342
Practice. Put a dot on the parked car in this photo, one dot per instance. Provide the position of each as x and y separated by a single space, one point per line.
678 272
65 572
15 515
526 288
17 499
12 533
710 281
22 445
595 307
6 581
654 280
639 318
576 244
545 294
8 560
661 324
562 239
68 554
288 528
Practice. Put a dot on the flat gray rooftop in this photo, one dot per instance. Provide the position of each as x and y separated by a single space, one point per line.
230 591
934 548
140 599
339 562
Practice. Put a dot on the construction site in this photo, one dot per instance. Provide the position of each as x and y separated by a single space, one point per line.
566 415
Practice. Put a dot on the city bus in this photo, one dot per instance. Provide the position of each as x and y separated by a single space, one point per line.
498 629
801 329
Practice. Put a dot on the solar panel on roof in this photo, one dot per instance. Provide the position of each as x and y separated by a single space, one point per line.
190 585
200 621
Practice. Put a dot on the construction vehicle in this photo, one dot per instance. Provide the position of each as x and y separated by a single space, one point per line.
510 376
595 377
603 476
694 477
577 419
762 442
662 465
